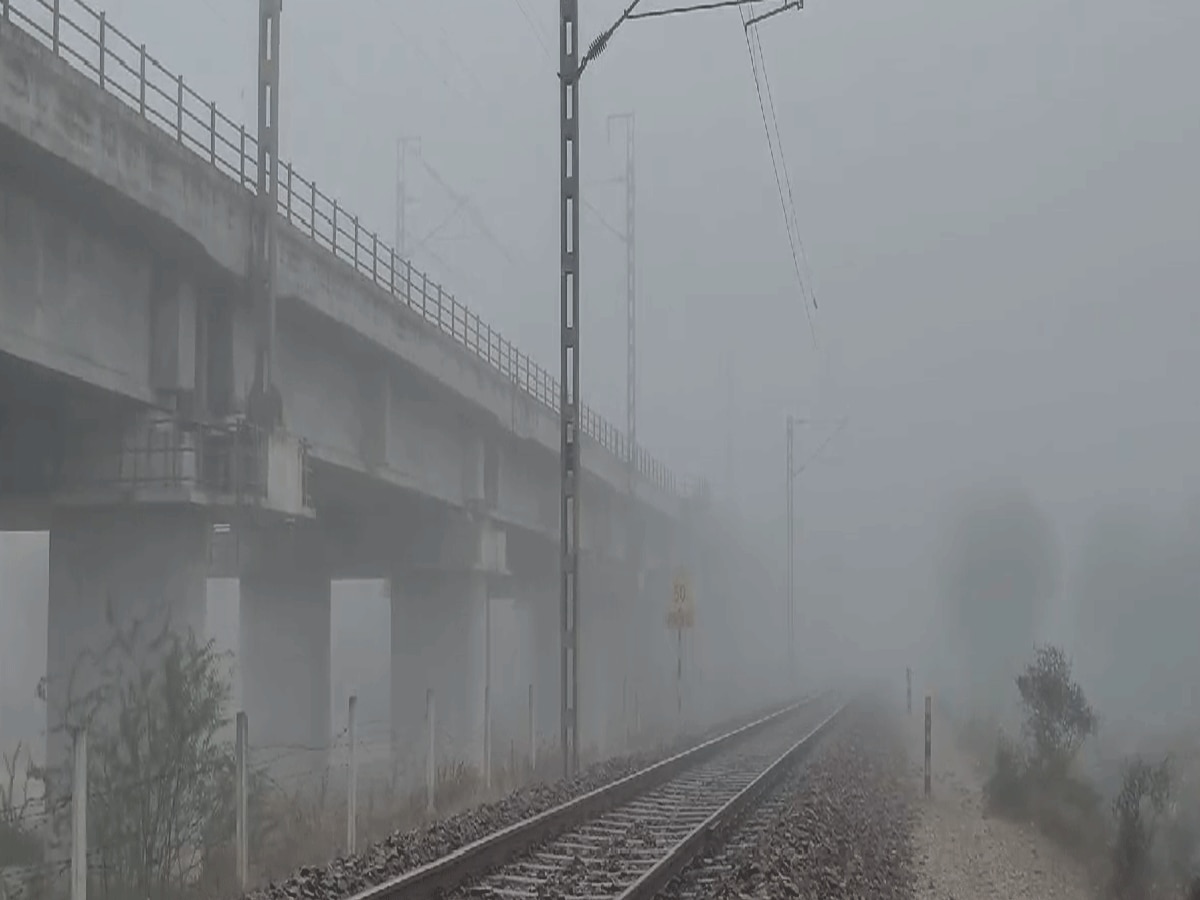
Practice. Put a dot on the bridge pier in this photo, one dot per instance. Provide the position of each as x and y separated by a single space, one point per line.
284 635
440 617
438 643
540 599
642 626
119 579
656 649
602 657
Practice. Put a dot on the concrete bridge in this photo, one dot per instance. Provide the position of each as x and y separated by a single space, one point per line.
418 445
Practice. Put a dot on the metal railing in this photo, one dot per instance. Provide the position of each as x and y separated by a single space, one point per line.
85 38
230 460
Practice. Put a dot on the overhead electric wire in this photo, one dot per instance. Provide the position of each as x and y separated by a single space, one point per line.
537 32
689 8
787 178
599 217
465 203
774 140
812 457
812 291
784 195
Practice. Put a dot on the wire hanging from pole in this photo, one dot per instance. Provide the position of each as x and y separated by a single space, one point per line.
789 218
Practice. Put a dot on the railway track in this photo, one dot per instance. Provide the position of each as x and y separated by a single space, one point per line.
630 838
712 864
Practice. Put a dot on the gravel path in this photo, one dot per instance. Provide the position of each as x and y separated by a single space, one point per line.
837 829
964 855
405 850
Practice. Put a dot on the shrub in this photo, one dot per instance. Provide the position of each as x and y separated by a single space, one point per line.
1058 717
160 777
1033 778
1005 792
19 846
1141 801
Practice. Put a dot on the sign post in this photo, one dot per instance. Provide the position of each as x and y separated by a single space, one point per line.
680 615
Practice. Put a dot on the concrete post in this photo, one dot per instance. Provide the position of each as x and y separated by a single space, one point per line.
487 691
532 732
79 795
430 753
352 778
928 744
242 834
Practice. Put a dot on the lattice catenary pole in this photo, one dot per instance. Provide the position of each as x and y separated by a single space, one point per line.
569 377
266 406
791 556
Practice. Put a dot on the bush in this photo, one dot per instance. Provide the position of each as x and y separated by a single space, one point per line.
1136 809
1005 792
19 846
1058 717
160 778
1034 779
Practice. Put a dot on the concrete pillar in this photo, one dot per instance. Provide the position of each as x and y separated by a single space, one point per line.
656 689
284 650
127 573
602 657
438 635
541 601
643 629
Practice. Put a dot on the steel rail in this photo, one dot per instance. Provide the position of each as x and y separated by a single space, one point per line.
708 832
492 851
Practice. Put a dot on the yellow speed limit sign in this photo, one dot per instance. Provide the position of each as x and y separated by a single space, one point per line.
682 611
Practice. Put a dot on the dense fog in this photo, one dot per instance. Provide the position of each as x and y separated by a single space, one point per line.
998 211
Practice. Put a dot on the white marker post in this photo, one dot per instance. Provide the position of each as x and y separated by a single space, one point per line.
79 792
430 754
352 777
242 837
532 735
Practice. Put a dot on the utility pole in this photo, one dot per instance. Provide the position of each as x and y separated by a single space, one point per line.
793 472
402 144
266 405
569 69
571 66
791 553
630 292
730 425
634 559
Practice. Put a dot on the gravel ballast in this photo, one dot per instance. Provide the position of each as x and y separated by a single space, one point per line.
963 853
839 827
406 850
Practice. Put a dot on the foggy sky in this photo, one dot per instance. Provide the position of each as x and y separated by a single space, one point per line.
999 203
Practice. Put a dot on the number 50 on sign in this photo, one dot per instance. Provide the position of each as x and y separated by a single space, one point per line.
682 612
